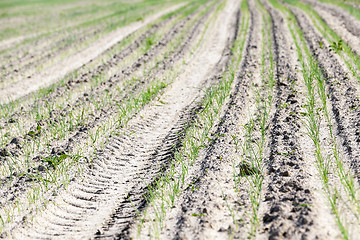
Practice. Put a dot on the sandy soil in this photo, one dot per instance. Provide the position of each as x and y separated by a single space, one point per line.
50 75
106 194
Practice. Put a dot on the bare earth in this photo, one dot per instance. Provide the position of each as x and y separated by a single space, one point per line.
60 69
116 189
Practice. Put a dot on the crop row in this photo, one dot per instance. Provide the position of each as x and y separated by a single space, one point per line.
276 123
46 152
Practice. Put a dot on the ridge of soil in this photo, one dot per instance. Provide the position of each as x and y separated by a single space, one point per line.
50 75
343 94
106 194
154 126
79 136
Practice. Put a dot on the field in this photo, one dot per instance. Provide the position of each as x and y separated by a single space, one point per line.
173 119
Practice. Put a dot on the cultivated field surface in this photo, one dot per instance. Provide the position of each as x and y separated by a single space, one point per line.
173 119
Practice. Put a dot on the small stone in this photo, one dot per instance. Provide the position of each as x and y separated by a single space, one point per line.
303 220
267 218
3 152
41 168
184 209
15 141
57 151
276 208
268 198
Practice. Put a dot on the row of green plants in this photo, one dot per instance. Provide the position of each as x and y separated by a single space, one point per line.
336 44
57 129
44 183
355 11
60 45
172 183
249 167
340 190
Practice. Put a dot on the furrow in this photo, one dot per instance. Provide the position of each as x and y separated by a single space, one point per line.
199 212
51 74
342 90
342 23
289 184
177 100
169 61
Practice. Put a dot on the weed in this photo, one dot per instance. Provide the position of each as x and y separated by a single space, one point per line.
54 161
337 46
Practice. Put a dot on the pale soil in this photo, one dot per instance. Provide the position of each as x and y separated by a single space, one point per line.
345 25
60 69
107 199
19 20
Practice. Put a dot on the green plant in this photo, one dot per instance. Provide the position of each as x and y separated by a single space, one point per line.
194 138
315 83
54 161
337 46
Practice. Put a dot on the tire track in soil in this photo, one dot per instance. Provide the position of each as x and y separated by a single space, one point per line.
119 222
116 59
68 144
128 162
119 77
288 184
343 94
73 83
202 196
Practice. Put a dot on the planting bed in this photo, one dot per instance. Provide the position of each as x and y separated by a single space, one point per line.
205 119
